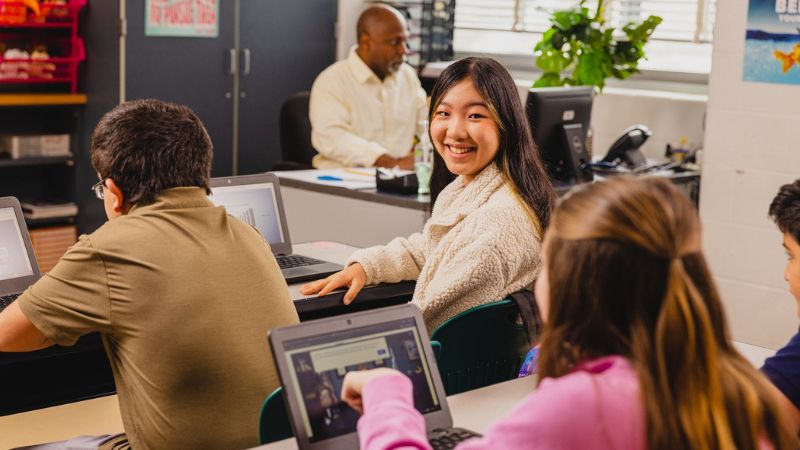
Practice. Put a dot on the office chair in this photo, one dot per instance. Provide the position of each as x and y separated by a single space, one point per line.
295 129
486 344
273 422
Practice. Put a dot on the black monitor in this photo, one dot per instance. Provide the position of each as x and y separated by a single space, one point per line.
559 119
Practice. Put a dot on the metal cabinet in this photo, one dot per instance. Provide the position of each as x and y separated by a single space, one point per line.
265 51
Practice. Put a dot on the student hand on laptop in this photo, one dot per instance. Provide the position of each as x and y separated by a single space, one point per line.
354 383
353 276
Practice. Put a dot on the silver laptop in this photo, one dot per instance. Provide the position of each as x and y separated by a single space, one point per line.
313 357
18 267
256 200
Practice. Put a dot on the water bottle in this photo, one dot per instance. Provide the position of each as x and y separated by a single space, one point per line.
423 158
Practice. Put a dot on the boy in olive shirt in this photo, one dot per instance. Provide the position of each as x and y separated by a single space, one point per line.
182 294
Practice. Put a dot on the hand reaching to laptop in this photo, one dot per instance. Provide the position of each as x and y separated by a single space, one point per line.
354 383
353 276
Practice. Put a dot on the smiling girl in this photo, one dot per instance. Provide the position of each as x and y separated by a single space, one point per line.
491 201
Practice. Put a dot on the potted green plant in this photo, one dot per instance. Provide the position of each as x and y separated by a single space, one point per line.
580 46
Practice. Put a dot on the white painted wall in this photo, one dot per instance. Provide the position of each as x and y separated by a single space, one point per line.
669 116
347 18
750 151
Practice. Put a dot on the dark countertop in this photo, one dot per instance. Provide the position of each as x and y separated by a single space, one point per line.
421 202
418 202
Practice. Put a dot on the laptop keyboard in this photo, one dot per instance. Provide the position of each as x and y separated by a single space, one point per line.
444 439
289 261
6 300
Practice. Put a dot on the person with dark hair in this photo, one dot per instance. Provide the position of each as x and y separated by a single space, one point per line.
491 200
182 294
635 352
783 369
364 109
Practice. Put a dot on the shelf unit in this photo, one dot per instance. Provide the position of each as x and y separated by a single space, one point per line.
41 105
43 99
430 29
43 161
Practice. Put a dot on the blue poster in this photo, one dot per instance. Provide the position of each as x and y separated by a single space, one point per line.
772 45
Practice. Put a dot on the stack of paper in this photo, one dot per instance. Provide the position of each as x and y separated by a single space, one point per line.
355 178
46 210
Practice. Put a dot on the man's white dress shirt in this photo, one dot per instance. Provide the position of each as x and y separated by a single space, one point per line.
356 117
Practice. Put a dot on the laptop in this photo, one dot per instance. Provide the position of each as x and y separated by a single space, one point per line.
313 357
18 267
256 200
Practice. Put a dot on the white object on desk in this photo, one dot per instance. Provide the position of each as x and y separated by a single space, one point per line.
360 178
474 410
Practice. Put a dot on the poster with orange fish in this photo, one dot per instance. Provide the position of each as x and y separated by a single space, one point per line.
772 45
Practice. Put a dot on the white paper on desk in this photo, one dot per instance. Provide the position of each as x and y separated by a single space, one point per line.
356 178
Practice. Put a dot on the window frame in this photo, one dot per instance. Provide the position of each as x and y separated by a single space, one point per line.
523 63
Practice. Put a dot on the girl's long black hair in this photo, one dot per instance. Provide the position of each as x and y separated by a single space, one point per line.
518 156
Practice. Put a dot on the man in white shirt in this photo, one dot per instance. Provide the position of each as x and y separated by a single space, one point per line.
364 110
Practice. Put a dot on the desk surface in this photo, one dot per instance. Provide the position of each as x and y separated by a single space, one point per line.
418 202
421 202
474 410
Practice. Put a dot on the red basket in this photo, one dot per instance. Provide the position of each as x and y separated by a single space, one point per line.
12 13
59 69
15 13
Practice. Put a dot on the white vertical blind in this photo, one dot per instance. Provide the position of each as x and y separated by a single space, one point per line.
684 20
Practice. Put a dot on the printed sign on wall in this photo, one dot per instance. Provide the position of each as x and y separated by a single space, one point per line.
772 45
188 18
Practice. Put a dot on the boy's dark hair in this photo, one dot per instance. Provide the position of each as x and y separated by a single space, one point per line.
785 209
147 146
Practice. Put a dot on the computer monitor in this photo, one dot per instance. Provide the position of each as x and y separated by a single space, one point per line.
559 118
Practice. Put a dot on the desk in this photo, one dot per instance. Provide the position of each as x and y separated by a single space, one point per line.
366 217
474 410
313 307
362 217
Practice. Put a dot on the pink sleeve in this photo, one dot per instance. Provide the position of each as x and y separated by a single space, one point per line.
567 414
390 420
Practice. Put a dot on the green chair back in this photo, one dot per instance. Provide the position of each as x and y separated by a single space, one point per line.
479 347
273 423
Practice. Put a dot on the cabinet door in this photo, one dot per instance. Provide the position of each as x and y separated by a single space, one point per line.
289 43
187 70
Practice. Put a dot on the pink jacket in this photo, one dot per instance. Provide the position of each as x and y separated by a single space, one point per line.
597 406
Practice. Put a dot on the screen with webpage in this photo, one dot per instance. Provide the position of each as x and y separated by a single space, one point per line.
320 363
14 261
254 204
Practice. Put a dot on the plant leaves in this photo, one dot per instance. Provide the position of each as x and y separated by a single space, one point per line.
582 45
549 79
552 60
569 18
590 69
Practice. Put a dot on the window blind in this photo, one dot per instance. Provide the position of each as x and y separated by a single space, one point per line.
684 20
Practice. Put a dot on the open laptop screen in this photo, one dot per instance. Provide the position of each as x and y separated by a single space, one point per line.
14 261
254 204
318 364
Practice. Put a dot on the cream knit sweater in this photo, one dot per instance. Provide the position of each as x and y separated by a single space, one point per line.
478 246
